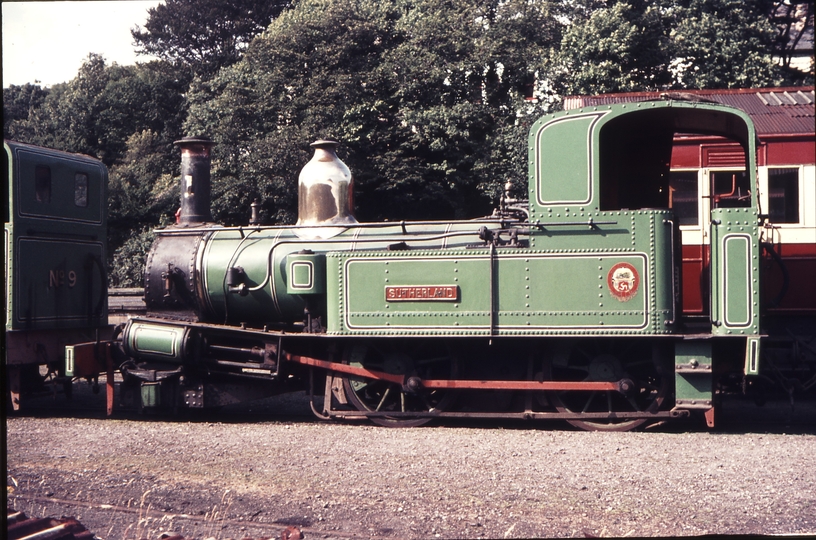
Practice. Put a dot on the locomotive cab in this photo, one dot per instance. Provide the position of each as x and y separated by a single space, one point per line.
627 170
55 222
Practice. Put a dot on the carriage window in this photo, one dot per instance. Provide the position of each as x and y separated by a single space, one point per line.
783 195
683 196
81 189
42 183
730 189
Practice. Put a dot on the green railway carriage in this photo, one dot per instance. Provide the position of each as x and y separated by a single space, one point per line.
566 305
55 249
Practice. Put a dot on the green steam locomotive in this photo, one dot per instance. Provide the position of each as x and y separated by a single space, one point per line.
566 303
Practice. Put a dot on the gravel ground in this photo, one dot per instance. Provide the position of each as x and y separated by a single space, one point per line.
245 473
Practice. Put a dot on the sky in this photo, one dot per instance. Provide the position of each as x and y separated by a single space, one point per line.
48 41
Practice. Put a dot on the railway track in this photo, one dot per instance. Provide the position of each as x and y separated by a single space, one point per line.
21 527
125 302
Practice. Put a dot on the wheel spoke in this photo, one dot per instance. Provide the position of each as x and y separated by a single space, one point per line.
385 396
614 361
578 369
404 358
589 401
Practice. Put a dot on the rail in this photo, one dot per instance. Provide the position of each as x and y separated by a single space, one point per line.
123 301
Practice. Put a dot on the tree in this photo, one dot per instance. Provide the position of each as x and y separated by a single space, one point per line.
619 48
19 102
101 107
635 45
204 35
136 99
126 265
461 80
142 194
66 118
793 21
141 190
723 44
291 88
415 91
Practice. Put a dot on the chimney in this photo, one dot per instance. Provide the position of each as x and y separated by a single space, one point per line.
195 180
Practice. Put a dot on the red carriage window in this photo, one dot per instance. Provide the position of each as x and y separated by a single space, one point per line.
783 195
730 189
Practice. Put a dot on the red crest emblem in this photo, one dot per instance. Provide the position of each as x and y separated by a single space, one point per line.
623 281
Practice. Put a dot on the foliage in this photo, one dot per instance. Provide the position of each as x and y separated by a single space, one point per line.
65 120
98 110
620 48
141 194
19 102
793 21
723 44
637 45
414 90
140 190
126 268
202 36
136 99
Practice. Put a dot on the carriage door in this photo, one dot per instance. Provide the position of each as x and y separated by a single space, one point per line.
734 244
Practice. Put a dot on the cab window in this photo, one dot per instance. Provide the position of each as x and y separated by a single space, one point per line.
42 184
683 196
81 190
